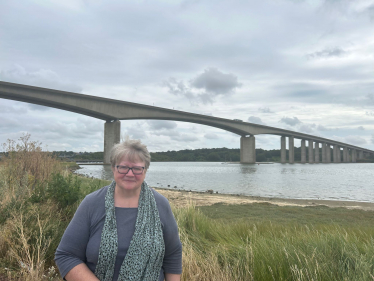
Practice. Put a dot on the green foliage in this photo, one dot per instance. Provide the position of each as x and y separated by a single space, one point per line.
64 191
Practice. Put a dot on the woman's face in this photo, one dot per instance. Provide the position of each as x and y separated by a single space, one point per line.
128 181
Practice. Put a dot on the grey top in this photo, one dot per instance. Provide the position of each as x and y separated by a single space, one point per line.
81 240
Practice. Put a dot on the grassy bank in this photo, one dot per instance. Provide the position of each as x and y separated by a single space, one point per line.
39 195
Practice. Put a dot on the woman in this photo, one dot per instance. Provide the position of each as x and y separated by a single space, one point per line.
124 231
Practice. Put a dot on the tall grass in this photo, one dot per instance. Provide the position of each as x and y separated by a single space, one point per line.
38 198
220 250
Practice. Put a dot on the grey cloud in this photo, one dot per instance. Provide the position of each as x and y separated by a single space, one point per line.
357 140
45 78
370 98
216 82
38 107
205 87
322 128
169 133
184 138
290 121
265 110
136 132
255 120
307 128
369 113
162 124
372 138
211 136
332 52
361 128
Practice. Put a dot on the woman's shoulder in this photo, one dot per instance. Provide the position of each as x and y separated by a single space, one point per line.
160 199
97 195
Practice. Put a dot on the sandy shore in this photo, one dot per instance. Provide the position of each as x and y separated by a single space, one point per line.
180 198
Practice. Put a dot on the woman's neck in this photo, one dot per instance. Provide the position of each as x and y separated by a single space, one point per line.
126 199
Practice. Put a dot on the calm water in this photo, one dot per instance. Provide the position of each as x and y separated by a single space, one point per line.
352 182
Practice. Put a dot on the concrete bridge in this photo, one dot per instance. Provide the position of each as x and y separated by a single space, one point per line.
112 111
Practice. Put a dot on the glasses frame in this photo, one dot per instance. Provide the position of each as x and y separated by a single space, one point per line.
130 168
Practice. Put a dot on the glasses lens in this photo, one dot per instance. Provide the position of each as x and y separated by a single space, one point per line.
137 170
123 169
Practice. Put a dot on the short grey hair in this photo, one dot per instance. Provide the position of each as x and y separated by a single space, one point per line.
132 150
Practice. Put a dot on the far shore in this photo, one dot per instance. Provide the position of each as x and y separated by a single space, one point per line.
182 198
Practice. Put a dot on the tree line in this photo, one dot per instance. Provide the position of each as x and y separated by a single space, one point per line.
197 155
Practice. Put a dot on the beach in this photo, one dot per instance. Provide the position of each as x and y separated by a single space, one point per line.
182 198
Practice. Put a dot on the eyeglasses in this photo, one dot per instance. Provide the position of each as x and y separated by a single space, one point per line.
136 170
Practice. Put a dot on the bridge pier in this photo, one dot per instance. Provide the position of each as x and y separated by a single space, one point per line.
328 153
112 135
248 150
283 150
335 153
360 154
316 152
323 152
303 152
310 152
345 154
291 150
354 155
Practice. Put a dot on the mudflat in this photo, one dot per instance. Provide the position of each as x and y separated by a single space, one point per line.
181 198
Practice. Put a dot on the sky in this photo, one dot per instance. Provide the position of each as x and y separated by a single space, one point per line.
305 66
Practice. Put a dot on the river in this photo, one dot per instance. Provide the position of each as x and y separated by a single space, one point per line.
344 181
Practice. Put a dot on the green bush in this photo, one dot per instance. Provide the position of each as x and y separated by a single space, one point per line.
65 191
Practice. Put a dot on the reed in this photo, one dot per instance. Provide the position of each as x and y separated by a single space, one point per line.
220 250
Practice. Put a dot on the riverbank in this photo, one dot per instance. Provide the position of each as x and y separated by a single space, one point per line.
182 198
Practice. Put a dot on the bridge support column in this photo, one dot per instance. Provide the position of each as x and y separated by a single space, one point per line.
303 152
316 152
323 152
283 150
248 150
345 154
360 154
328 153
291 150
310 152
112 135
335 153
354 155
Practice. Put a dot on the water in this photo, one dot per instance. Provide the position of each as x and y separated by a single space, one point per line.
349 182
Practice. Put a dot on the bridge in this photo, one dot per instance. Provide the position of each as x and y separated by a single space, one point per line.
111 111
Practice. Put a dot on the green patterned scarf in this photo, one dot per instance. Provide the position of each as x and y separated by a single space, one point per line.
145 255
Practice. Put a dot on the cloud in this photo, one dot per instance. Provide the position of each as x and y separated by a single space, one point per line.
361 128
290 121
357 140
205 87
216 82
307 128
265 110
37 107
162 124
255 120
41 77
372 138
327 53
184 138
211 136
